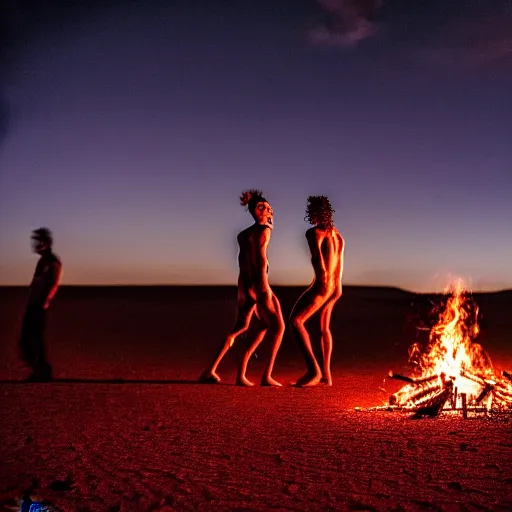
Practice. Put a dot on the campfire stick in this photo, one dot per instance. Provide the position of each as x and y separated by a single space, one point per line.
484 393
503 392
464 406
403 378
426 396
502 398
435 404
507 375
504 387
425 392
410 380
454 398
475 378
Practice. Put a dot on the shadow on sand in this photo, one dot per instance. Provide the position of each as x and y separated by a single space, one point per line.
112 381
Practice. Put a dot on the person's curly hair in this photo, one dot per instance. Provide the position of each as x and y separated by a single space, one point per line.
319 211
250 198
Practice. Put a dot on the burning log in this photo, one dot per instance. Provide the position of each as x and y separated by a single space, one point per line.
505 392
503 395
414 397
424 395
435 404
454 398
484 393
464 406
397 376
475 378
455 369
420 392
415 392
410 380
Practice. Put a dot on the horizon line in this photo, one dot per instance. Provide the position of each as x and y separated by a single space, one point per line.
231 285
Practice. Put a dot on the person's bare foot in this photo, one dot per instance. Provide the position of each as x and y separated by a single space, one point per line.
326 380
243 381
305 378
269 381
313 381
209 377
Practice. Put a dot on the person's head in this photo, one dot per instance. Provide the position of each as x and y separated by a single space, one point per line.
42 240
319 211
258 207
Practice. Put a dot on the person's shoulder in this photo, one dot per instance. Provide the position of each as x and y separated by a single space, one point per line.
313 233
247 232
261 231
55 260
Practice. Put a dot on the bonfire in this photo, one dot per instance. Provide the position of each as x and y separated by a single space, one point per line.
453 372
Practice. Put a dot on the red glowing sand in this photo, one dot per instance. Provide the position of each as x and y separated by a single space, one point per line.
182 446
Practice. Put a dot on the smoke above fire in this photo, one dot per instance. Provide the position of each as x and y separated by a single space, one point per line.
345 22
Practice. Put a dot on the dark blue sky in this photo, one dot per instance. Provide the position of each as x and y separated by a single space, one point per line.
130 128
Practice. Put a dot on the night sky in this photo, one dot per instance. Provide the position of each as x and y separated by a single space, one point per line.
130 129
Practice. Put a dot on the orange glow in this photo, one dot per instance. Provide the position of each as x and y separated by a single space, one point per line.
453 358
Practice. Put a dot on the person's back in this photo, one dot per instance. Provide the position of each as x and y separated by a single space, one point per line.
326 246
248 255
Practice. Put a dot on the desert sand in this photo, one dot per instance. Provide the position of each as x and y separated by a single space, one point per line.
126 428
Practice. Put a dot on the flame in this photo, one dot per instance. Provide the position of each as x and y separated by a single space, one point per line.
451 350
452 357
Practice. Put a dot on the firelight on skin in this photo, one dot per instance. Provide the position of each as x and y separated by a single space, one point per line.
254 293
327 249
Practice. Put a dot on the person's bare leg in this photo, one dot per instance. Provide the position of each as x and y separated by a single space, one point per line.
313 374
307 305
276 337
326 339
326 342
244 315
241 379
277 327
307 352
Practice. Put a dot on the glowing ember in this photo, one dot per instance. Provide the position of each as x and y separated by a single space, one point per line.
453 367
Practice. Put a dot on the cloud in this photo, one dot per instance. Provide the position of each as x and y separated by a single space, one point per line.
483 40
345 22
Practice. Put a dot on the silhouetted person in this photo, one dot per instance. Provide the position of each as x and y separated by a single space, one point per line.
254 292
41 292
327 248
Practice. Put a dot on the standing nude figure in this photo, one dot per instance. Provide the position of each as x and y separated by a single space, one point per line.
327 248
254 293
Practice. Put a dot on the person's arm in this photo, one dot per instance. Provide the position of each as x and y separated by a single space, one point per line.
55 275
262 241
342 257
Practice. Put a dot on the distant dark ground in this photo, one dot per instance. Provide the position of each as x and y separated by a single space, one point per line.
172 332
